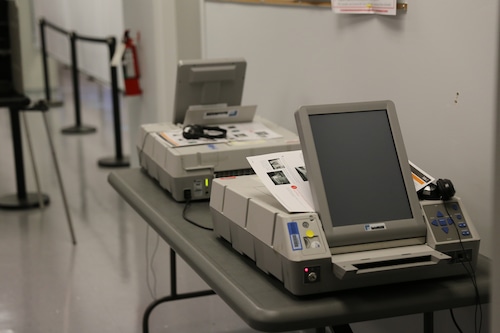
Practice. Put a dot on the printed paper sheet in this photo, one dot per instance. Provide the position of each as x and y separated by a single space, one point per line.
381 7
237 132
284 175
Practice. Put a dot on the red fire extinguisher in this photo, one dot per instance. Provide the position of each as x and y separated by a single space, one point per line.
130 64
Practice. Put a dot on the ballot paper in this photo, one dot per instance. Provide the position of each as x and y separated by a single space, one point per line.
284 175
236 132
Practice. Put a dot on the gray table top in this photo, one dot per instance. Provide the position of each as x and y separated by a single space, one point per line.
260 300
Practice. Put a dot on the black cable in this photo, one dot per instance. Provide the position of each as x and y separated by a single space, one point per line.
455 321
149 264
184 215
142 148
149 261
472 275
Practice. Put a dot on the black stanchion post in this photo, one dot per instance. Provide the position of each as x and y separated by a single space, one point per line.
78 128
45 66
44 60
118 160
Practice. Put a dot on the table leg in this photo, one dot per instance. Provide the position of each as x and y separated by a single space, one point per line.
174 296
21 200
429 322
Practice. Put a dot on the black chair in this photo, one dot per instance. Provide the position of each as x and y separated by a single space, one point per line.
17 103
12 98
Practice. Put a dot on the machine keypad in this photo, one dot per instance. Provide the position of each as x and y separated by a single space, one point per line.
441 217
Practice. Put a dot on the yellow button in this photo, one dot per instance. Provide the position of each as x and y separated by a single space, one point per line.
309 233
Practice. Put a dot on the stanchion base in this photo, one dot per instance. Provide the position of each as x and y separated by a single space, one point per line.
82 129
12 201
113 162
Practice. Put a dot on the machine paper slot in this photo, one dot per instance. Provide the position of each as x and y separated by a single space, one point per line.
349 268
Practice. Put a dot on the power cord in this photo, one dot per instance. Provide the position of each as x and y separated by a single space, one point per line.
455 321
150 260
478 313
187 196
149 263
142 147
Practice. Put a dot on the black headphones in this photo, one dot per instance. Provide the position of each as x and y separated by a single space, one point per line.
443 190
198 131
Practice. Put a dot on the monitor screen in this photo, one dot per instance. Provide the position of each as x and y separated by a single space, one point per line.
359 173
208 83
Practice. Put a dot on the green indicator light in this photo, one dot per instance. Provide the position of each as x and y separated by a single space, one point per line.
206 182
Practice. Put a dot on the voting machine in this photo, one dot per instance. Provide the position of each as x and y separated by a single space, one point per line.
208 100
368 226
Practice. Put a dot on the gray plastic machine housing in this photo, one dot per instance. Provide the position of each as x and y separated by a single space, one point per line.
189 170
293 247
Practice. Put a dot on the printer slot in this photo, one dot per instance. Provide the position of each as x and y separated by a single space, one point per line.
351 269
234 173
394 262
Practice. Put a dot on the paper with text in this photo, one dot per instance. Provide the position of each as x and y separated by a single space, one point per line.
237 132
284 175
381 7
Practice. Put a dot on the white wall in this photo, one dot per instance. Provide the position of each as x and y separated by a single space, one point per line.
437 62
495 296
89 18
169 31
